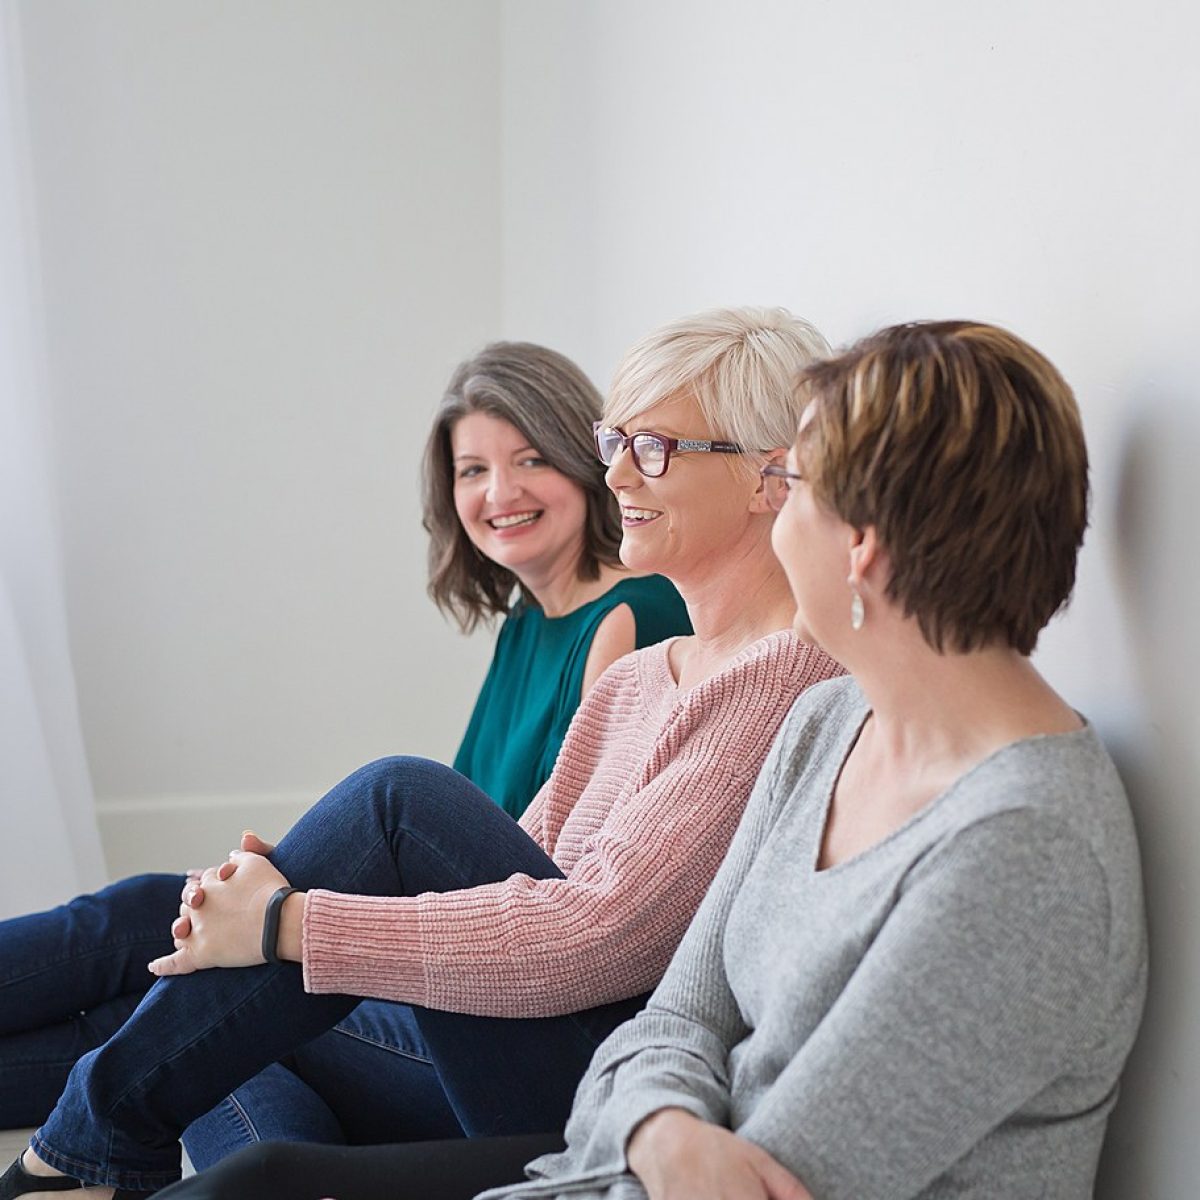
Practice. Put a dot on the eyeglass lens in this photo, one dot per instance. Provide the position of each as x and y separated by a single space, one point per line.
648 451
608 442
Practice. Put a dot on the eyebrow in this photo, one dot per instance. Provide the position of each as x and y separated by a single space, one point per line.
480 457
666 431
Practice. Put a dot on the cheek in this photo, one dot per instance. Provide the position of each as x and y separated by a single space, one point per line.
569 500
466 505
783 541
777 540
789 543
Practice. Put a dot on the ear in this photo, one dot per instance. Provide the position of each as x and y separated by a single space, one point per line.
865 552
758 501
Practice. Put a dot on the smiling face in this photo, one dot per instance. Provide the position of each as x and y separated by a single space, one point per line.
687 523
516 508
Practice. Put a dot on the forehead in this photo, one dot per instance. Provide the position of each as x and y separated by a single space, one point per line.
482 434
678 413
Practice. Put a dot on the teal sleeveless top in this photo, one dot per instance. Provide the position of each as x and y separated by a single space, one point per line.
533 686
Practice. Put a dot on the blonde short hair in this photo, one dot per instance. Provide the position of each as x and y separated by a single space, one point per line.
963 446
739 364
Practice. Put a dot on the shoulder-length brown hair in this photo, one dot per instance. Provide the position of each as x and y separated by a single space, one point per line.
552 403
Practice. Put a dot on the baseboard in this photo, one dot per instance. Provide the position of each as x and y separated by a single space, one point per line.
173 833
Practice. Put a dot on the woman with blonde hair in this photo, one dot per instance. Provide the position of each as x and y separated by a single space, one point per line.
517 947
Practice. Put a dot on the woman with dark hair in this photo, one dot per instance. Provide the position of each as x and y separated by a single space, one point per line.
513 948
521 526
922 965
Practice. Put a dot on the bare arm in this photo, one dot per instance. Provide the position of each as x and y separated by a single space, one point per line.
615 637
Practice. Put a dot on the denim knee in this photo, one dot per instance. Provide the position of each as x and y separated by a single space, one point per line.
400 787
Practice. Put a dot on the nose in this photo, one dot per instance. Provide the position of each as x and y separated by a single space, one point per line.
621 473
503 486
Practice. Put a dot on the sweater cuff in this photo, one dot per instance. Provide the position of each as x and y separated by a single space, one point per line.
645 1105
345 951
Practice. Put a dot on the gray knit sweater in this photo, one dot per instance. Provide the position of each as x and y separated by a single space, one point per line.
945 1014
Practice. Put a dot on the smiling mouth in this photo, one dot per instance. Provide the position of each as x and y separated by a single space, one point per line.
515 520
638 516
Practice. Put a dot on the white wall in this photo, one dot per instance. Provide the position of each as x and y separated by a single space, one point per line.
1033 164
270 229
269 232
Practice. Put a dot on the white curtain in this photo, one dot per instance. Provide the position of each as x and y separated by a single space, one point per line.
49 844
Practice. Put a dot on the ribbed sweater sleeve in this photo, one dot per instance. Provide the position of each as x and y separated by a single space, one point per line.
644 799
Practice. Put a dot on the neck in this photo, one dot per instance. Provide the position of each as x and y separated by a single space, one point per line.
927 705
558 588
747 600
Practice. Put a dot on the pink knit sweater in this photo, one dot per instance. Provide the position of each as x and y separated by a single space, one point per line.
648 788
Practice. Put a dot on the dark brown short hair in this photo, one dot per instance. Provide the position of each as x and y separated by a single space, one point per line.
553 404
963 446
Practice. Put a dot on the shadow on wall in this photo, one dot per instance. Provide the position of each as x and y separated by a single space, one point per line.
1150 1150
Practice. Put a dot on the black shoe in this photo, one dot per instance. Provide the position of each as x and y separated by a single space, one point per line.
16 1181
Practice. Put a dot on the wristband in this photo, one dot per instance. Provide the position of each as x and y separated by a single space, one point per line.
270 936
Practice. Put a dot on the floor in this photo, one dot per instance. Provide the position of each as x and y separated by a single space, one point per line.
13 1141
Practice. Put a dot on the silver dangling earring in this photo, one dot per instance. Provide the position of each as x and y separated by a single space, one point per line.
858 614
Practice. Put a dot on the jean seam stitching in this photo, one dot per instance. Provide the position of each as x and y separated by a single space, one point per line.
248 1126
381 1045
49 964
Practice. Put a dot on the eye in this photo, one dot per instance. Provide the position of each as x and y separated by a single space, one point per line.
469 471
534 460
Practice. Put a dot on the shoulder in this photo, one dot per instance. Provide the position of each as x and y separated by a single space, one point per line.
1066 781
519 622
625 682
1045 821
642 589
766 675
615 637
743 704
1057 794
816 732
654 609
779 668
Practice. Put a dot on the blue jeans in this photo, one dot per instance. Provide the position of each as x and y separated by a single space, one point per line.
69 979
328 1066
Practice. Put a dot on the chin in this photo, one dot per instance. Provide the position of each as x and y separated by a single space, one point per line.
631 558
645 563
